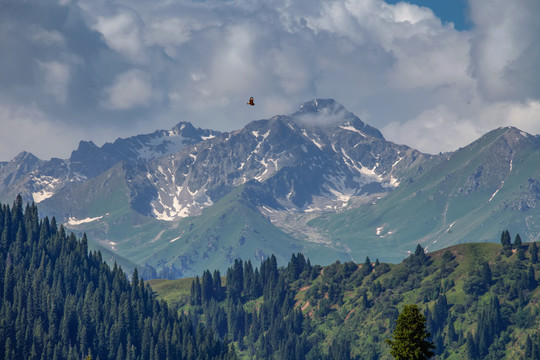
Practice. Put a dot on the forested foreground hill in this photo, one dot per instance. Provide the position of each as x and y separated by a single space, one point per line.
58 301
480 301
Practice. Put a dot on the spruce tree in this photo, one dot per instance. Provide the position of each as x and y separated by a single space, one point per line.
533 249
471 346
410 336
506 241
531 279
519 247
485 274
367 268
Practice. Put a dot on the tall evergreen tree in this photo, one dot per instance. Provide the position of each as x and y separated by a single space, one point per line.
485 274
367 268
531 279
506 240
519 247
207 287
533 249
410 336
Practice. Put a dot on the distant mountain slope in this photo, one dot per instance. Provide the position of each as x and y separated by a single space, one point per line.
37 179
327 182
321 158
465 196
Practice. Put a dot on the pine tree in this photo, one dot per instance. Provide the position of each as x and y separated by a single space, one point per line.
506 240
471 346
489 326
367 268
531 279
410 336
528 347
485 274
533 249
519 247
207 287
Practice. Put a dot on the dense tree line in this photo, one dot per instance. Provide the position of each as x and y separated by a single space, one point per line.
256 309
58 301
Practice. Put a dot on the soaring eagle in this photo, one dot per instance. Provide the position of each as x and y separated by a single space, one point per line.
250 102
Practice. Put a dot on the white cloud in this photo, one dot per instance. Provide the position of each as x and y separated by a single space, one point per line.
122 32
506 48
130 89
442 129
25 127
435 130
57 77
524 116
46 37
170 32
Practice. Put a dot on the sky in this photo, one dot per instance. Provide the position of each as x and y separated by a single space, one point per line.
432 74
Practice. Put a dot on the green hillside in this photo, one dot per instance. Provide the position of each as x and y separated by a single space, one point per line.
466 196
480 302
232 228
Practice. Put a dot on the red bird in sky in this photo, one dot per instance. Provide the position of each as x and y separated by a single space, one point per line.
250 102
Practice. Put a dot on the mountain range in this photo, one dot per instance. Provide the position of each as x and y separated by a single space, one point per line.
319 181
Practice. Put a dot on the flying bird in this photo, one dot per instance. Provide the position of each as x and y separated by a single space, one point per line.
250 102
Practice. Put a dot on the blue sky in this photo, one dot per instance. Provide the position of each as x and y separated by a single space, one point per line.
455 11
74 70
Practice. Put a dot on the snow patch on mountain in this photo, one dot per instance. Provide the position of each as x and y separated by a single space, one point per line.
319 145
353 129
502 183
397 161
393 182
74 222
41 195
178 201
46 186
344 198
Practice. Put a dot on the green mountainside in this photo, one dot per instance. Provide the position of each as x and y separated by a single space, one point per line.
460 197
232 228
465 196
480 301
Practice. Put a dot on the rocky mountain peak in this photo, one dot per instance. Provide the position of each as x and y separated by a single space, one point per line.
185 129
84 147
331 116
509 138
25 157
330 106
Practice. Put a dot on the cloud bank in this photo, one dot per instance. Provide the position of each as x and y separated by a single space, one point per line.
97 70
